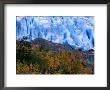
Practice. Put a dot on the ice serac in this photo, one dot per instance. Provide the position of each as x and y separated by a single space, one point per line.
77 31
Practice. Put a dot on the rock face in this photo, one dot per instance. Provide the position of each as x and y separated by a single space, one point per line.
77 32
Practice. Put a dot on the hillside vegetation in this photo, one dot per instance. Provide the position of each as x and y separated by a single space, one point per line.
43 57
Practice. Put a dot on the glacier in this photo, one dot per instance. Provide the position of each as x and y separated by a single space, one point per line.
78 31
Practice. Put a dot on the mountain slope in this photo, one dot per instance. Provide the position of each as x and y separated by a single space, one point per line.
54 47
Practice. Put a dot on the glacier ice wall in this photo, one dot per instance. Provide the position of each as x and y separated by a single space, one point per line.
78 31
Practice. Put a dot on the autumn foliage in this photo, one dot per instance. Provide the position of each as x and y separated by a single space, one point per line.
31 59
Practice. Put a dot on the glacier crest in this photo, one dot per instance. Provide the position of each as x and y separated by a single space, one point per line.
78 31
